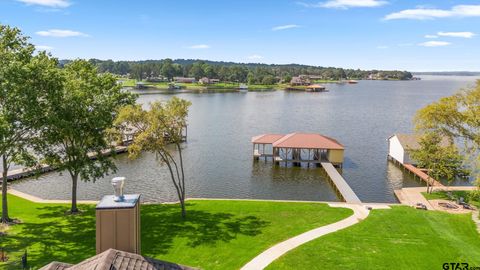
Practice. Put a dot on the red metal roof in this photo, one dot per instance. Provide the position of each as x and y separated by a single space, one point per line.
299 140
267 138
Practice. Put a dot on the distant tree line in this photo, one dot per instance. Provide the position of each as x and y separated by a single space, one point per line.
235 72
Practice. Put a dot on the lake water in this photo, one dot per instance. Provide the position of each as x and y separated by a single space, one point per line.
218 154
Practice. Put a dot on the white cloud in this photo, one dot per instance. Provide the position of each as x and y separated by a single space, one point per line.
43 48
60 33
422 13
345 4
284 27
382 47
255 57
431 36
199 46
47 3
434 43
456 34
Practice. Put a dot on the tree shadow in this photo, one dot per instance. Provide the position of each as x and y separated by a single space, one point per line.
161 224
54 236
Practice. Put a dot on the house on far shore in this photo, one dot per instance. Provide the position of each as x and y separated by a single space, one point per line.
300 80
206 80
399 146
184 80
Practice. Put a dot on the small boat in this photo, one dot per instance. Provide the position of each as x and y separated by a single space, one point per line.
243 87
352 82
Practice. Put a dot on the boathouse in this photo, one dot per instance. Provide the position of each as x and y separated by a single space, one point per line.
297 148
315 88
399 146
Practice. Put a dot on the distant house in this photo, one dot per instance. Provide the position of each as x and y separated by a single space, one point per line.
184 80
399 146
315 77
300 80
206 80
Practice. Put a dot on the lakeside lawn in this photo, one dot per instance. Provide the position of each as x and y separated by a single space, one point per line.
398 238
215 235
456 194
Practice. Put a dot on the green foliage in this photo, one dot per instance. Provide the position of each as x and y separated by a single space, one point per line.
441 161
78 116
154 130
457 117
24 80
235 72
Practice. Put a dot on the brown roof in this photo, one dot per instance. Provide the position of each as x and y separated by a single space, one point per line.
56 266
299 140
411 141
314 86
267 138
307 140
118 260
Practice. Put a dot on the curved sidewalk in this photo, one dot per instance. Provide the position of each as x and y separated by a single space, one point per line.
360 212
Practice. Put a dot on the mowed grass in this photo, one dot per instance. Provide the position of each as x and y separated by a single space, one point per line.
215 235
398 238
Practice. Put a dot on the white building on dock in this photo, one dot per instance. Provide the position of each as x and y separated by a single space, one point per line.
399 146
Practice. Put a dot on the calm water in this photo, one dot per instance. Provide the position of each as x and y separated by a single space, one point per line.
218 155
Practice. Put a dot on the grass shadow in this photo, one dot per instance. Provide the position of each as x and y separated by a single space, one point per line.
162 224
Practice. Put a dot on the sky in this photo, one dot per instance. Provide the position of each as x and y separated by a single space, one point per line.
428 35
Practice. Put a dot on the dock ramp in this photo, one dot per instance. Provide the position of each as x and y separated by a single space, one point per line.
347 193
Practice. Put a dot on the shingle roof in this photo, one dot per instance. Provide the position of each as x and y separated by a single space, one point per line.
411 141
56 266
117 260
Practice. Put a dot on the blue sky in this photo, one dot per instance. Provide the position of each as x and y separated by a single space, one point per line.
368 34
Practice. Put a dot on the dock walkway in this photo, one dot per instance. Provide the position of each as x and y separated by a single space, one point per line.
422 175
27 172
347 193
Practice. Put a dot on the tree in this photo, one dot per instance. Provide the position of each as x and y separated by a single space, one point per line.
168 70
440 161
79 115
23 80
154 130
457 117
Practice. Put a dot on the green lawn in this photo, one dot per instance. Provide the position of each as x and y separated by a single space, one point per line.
215 235
456 194
399 238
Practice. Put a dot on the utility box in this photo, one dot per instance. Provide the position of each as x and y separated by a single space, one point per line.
118 223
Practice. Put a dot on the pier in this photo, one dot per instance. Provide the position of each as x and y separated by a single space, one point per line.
306 148
340 184
417 172
399 148
43 168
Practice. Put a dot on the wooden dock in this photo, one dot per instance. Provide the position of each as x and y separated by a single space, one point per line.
347 193
27 172
422 175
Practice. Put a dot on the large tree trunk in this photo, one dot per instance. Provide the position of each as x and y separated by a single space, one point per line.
5 217
74 208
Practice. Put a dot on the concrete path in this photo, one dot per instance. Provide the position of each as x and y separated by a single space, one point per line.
40 200
360 212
